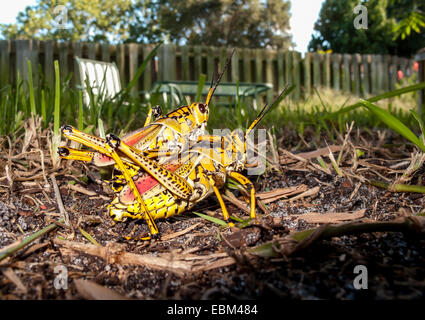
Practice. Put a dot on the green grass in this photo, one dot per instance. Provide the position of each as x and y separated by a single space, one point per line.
325 112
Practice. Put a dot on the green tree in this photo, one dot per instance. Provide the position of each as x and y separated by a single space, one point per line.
242 23
87 20
389 27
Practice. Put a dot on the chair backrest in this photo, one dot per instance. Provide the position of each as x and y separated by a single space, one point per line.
102 77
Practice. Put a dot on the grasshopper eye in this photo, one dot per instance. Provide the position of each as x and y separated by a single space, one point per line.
202 108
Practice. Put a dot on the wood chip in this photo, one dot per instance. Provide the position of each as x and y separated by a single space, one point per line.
36 247
217 264
289 157
176 263
308 193
81 189
92 291
319 152
331 217
276 194
11 275
179 233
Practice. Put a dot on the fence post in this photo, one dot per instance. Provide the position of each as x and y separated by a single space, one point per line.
386 72
197 56
296 74
106 54
210 63
133 56
246 57
326 71
280 71
120 60
307 75
147 74
316 70
393 72
366 74
346 73
91 50
269 73
356 73
23 53
77 52
185 63
63 59
336 70
288 68
4 62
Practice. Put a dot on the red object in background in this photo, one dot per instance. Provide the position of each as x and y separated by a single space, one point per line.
416 66
399 74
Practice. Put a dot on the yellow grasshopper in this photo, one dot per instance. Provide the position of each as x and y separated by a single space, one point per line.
165 190
167 134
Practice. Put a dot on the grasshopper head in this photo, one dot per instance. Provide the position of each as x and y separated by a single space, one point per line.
200 112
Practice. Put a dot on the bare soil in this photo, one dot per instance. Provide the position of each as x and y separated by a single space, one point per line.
224 267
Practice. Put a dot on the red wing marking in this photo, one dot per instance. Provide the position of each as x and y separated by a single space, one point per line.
143 184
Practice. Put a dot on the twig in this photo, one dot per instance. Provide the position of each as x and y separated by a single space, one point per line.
10 250
289 244
64 214
397 187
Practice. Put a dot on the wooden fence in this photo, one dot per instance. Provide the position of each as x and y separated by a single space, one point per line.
359 74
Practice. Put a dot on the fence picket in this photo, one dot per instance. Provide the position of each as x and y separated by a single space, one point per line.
316 70
307 74
4 62
246 57
365 75
346 73
359 74
336 70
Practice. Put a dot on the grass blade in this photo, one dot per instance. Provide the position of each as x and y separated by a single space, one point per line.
31 89
80 111
56 123
89 237
385 95
212 219
201 83
394 123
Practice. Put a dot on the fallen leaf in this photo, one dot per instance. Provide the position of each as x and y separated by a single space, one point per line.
276 194
331 217
92 291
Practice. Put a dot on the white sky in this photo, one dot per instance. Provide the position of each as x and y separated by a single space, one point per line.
303 15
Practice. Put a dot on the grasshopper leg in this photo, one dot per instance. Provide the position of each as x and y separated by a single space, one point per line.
110 147
247 184
171 181
220 200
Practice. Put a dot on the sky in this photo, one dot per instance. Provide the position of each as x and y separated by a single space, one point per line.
303 15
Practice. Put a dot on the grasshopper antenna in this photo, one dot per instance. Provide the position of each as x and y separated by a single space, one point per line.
212 89
266 108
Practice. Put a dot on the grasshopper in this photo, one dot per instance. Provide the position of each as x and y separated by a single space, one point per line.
167 134
176 186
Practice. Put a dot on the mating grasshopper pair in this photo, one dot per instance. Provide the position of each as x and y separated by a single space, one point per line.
168 165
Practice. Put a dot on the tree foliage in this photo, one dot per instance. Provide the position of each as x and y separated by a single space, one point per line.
243 23
87 20
394 27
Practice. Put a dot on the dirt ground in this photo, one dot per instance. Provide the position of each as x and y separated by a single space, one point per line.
198 259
